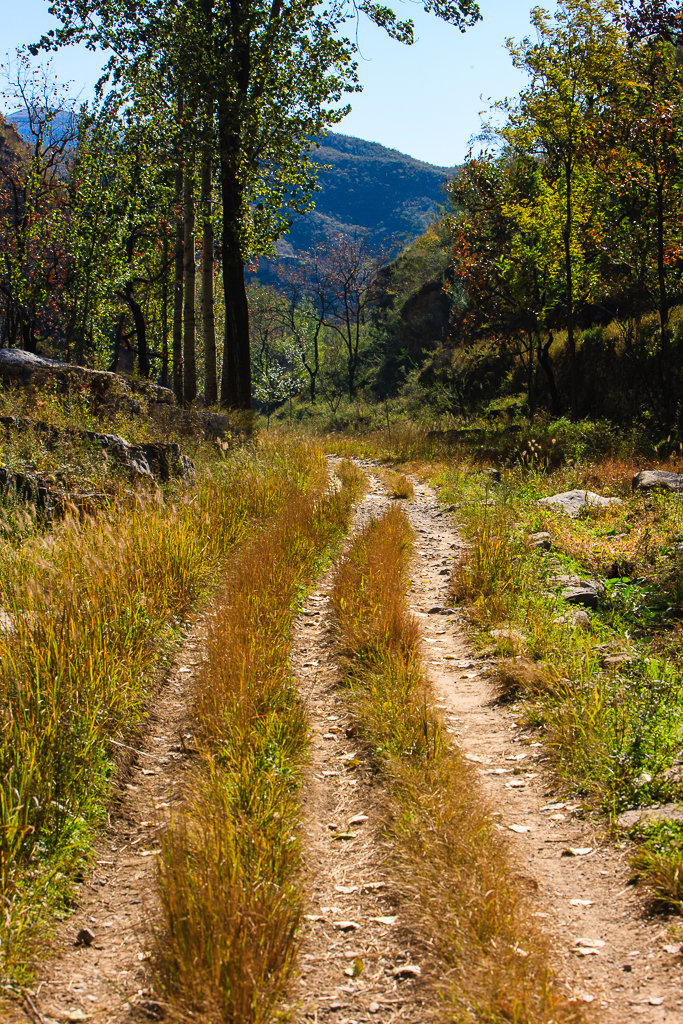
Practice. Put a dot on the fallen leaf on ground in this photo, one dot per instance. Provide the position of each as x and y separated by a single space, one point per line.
675 950
593 943
577 851
358 819
389 919
344 835
347 889
346 926
520 828
581 903
586 950
655 1000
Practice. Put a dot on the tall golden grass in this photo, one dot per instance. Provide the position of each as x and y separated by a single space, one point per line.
454 869
88 612
229 884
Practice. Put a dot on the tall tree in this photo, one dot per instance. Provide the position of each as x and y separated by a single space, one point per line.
506 243
573 65
276 71
645 128
208 312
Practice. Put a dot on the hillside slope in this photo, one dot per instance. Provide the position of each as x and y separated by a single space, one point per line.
365 185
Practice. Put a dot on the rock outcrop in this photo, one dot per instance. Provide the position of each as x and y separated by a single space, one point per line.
574 502
110 393
577 591
49 499
107 389
657 480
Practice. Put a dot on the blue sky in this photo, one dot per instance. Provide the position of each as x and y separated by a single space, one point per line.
424 100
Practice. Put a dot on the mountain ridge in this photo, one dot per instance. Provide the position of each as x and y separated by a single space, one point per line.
364 186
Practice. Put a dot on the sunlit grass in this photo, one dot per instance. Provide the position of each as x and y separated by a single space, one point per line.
613 729
230 875
88 613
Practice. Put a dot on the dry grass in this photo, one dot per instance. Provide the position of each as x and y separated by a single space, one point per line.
520 676
662 872
229 871
398 485
488 576
466 901
89 611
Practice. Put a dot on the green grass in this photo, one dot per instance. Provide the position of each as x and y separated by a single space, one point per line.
659 861
614 729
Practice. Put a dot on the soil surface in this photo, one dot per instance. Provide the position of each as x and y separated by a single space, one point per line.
359 962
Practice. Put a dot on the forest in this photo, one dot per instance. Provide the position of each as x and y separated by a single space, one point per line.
553 276
341 558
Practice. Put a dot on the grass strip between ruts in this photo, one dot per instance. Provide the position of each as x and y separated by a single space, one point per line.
229 871
454 869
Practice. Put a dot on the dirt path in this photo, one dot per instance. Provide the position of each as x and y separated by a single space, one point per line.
604 942
104 979
605 946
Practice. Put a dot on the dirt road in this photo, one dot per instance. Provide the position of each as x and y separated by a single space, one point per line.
359 962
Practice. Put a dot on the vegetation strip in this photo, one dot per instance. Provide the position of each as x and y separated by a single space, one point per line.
451 858
88 612
229 872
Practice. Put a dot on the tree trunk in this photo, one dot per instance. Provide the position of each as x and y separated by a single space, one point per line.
164 312
140 330
569 273
189 281
546 364
208 317
530 375
178 278
236 379
663 298
118 333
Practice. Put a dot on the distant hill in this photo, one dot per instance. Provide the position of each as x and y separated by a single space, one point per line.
368 186
61 125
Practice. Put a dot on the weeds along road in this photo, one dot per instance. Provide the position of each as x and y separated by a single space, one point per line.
365 953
